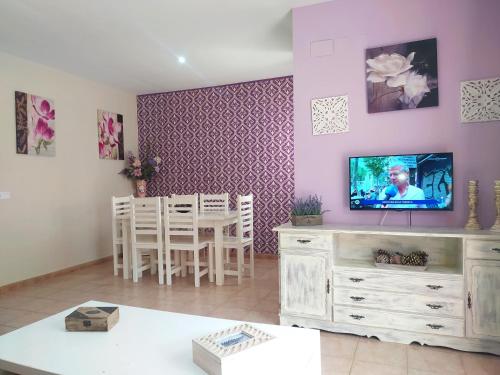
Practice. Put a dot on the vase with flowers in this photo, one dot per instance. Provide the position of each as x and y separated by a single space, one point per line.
141 171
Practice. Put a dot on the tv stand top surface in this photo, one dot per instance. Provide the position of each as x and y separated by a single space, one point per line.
391 230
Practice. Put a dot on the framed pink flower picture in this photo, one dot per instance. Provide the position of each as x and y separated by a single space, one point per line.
35 125
402 76
110 135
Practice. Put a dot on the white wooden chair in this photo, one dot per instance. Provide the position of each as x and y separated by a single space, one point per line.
243 238
120 211
146 233
214 202
181 234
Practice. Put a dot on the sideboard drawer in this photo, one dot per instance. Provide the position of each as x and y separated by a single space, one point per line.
483 249
306 241
399 302
402 321
426 285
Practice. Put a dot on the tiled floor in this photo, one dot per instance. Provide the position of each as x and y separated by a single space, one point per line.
255 300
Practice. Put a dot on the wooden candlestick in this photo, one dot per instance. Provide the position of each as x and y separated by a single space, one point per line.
472 222
496 226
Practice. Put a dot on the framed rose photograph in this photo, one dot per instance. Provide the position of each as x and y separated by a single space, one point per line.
402 76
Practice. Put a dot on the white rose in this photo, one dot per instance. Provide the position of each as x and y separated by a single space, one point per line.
392 68
414 90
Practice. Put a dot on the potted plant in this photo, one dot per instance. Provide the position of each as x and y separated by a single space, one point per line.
141 171
307 211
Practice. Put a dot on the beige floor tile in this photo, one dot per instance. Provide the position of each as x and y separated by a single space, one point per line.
9 315
5 329
413 371
370 368
13 301
27 318
338 345
385 353
331 365
445 361
481 364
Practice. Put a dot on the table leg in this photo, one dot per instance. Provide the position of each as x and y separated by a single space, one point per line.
219 258
126 264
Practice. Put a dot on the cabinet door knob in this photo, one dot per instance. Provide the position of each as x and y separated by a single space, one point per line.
303 241
435 326
357 317
357 299
496 249
469 301
434 287
434 307
355 279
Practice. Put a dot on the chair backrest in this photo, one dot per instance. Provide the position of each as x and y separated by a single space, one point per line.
214 202
145 217
180 214
120 206
244 229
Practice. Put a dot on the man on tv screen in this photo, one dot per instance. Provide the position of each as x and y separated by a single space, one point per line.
400 188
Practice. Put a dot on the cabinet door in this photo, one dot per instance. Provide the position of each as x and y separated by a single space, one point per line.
483 299
305 284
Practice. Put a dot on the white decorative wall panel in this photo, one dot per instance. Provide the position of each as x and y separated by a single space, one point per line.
330 115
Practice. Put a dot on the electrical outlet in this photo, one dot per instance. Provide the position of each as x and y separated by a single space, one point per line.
4 195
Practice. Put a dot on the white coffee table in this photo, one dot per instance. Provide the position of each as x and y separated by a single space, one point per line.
144 342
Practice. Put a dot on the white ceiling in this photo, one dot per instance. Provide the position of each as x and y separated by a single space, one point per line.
134 44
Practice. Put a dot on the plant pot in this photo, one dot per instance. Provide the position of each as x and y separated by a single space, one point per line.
306 220
140 186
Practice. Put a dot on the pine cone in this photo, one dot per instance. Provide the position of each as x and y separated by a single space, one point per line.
383 252
383 258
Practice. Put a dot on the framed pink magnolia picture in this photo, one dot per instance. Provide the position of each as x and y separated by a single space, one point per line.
35 125
110 135
402 76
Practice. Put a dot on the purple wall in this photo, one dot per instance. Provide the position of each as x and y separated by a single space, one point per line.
468 36
236 138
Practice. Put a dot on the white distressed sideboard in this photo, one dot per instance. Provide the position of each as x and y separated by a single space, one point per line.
328 280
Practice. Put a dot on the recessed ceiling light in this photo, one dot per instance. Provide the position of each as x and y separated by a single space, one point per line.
181 59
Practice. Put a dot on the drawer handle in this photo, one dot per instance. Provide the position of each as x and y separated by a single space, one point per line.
357 299
303 241
357 317
355 279
496 249
434 307
435 326
434 287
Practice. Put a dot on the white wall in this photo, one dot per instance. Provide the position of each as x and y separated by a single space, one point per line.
59 212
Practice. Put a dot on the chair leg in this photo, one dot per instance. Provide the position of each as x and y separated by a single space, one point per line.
115 259
196 255
190 268
135 265
168 267
252 274
228 255
183 264
161 275
177 261
210 263
152 262
239 263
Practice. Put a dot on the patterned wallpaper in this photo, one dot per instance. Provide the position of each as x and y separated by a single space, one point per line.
236 138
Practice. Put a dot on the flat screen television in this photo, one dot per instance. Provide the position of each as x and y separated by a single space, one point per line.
401 182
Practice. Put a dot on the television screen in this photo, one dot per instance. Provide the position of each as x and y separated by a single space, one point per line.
401 182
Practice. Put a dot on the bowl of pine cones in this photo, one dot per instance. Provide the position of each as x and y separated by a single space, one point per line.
416 260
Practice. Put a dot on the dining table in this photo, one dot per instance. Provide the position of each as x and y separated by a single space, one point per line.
218 221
